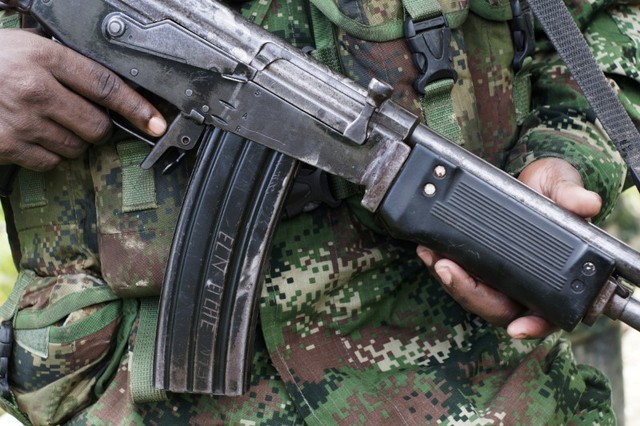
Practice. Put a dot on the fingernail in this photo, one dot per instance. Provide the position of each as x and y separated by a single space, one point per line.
516 332
425 256
157 125
444 274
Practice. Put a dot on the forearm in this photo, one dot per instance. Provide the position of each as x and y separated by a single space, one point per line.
563 125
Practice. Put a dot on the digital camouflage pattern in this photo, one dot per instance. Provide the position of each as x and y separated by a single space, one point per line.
353 329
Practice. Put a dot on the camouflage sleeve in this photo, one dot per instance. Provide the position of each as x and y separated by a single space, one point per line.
561 123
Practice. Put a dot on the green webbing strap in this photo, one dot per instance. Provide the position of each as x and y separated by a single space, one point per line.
522 91
437 107
326 49
342 189
7 20
422 9
10 306
381 32
437 103
129 314
32 189
7 313
142 389
56 311
138 184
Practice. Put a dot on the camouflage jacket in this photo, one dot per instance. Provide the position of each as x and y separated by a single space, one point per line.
353 328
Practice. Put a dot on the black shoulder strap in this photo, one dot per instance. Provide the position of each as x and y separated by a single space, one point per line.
573 49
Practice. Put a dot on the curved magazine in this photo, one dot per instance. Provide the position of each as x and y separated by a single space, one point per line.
215 271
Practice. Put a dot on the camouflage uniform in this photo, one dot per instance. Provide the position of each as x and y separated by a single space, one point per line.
353 328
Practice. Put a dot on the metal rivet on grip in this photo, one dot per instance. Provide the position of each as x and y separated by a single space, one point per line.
439 172
429 190
588 268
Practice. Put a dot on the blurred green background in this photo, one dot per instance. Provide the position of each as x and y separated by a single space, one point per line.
7 270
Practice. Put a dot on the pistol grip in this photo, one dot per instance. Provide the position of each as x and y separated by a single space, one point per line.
215 270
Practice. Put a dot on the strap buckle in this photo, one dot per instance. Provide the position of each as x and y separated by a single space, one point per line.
429 41
6 343
522 33
310 189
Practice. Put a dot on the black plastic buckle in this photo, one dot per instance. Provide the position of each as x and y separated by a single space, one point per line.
522 33
310 189
430 44
6 344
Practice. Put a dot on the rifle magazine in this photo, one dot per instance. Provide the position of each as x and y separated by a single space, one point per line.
208 306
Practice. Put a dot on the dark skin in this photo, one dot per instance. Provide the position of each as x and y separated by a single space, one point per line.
557 180
54 101
53 105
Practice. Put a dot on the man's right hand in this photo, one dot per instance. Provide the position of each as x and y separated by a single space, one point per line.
53 102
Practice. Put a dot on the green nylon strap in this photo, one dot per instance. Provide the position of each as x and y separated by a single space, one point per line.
437 107
326 49
142 372
8 309
342 189
382 32
7 313
32 189
38 318
437 103
422 9
9 20
129 314
37 340
522 91
138 184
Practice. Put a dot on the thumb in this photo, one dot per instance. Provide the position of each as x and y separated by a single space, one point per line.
575 198
560 181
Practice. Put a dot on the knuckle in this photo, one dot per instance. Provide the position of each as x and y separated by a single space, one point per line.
33 90
101 130
105 85
72 147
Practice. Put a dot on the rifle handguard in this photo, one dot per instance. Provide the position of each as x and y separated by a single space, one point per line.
213 279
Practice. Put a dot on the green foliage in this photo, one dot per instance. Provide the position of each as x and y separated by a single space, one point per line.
624 221
7 269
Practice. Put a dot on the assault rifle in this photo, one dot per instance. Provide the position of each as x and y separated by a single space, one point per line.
227 74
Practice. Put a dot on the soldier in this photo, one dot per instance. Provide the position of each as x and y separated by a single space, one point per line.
353 327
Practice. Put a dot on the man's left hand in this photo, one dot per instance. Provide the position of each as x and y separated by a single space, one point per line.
557 180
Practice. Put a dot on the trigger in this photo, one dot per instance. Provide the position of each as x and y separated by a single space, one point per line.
123 124
184 133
